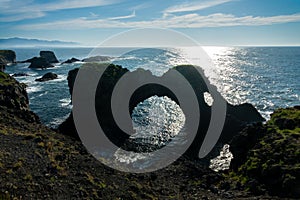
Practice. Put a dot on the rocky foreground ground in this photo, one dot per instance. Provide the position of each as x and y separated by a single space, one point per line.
39 163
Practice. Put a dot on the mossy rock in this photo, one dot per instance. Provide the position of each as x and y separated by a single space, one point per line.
274 160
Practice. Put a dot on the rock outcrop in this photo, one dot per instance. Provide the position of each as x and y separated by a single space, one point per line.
72 60
266 156
6 57
49 56
39 62
13 96
47 77
237 117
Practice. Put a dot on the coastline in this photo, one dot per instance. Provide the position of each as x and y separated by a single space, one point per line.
35 160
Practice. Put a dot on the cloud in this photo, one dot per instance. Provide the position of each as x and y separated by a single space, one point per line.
12 8
123 17
22 16
193 6
182 21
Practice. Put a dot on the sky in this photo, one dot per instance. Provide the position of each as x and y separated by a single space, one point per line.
209 22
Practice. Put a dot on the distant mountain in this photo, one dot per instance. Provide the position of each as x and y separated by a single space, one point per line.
25 42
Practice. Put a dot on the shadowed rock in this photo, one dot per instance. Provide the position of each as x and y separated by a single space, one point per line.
13 96
72 60
38 62
6 57
237 117
266 156
19 74
47 77
49 56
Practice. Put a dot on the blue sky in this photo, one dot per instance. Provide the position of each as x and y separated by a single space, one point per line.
210 22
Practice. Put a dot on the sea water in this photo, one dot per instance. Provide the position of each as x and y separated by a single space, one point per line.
267 77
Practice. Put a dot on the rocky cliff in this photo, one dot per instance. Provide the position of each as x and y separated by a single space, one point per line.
13 97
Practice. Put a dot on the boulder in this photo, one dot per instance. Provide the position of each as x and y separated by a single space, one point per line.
72 60
39 62
97 59
49 56
47 77
19 74
237 117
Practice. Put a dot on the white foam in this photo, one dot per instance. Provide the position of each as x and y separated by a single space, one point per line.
33 88
58 120
66 103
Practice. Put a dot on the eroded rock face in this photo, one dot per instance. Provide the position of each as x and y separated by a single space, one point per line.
237 117
266 156
49 56
7 56
47 77
13 93
13 96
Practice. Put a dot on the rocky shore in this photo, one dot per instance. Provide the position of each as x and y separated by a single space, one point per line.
37 162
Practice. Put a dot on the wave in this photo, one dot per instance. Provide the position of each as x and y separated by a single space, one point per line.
57 121
66 102
33 88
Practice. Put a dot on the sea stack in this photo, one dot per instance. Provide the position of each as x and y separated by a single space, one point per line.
39 62
49 56
6 56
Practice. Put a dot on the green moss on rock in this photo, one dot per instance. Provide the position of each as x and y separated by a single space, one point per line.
273 162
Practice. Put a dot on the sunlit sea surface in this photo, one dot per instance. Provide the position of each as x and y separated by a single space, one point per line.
267 77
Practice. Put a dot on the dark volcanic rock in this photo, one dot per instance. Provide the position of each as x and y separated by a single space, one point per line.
266 157
72 60
47 77
97 59
49 56
2 65
237 117
7 56
19 74
39 62
241 144
13 96
13 93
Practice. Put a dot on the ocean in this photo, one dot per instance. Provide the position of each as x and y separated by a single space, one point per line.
267 77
